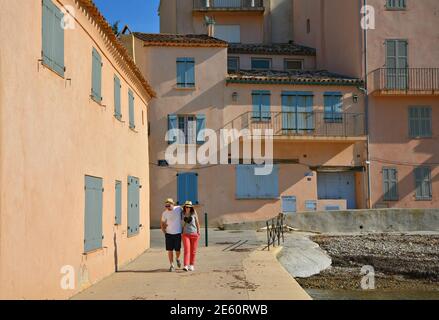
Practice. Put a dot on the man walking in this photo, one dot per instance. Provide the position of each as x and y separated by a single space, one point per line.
171 225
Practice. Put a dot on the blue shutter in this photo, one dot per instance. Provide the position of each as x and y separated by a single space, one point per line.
251 186
201 126
256 100
133 206
333 107
93 214
261 105
190 72
172 125
390 184
52 37
265 107
117 102
181 72
131 109
187 187
96 90
118 203
58 49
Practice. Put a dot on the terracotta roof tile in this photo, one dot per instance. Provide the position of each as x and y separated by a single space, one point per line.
278 49
319 77
186 40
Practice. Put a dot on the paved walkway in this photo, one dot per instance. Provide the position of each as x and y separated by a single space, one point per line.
233 267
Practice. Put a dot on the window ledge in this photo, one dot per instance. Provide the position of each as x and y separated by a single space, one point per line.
94 252
51 69
97 102
176 87
133 129
118 118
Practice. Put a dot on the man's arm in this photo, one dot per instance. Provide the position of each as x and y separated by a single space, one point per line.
163 224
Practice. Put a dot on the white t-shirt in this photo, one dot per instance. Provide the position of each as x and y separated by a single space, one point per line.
173 220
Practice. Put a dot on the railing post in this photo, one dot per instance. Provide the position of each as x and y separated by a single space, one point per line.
268 236
206 229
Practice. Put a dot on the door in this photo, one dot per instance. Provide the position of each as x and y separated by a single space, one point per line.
93 213
337 185
133 206
297 113
396 64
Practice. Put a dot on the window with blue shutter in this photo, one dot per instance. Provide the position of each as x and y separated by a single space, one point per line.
297 111
131 109
53 37
93 213
133 206
396 64
96 87
117 99
396 4
118 203
390 184
185 72
333 107
261 105
187 187
423 183
420 122
252 186
261 64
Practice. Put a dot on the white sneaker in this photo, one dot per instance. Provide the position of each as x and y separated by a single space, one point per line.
186 268
191 268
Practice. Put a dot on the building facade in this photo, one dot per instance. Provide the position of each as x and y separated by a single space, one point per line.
74 150
250 75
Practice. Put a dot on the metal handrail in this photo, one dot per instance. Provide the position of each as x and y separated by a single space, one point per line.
275 231
302 123
405 79
228 4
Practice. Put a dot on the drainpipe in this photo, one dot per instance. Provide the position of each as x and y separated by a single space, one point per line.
366 104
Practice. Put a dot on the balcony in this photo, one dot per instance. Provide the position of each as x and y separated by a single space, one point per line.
404 81
315 125
229 5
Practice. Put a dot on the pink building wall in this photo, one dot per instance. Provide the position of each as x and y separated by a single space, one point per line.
52 134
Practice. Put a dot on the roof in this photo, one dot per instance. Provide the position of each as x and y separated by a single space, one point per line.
108 33
179 40
275 48
321 77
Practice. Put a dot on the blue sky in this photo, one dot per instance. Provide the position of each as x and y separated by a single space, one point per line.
140 15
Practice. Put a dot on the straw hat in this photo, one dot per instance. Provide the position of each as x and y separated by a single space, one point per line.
169 201
188 204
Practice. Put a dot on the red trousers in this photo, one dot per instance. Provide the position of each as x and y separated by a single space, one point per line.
190 244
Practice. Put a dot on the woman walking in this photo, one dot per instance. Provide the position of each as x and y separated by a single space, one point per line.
191 234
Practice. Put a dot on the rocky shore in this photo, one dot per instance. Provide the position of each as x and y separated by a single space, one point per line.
400 261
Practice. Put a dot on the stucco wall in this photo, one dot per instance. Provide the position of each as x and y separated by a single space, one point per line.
52 135
277 61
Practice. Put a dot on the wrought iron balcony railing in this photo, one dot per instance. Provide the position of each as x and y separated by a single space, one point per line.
228 5
312 124
405 80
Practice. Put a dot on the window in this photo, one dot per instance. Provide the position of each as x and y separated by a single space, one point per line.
117 104
261 64
93 214
96 89
191 128
293 64
333 107
232 64
53 38
423 183
261 105
252 186
420 125
133 206
297 112
396 4
390 184
396 64
311 205
131 109
229 33
118 203
185 72
187 187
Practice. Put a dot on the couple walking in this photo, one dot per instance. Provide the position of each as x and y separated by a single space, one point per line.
181 223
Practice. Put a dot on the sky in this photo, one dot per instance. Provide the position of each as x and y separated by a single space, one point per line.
139 15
